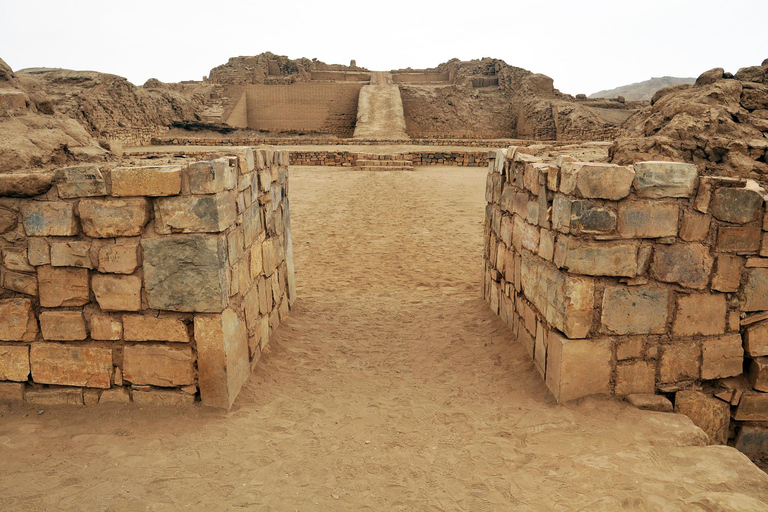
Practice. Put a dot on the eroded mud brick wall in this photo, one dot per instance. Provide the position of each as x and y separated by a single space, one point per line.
630 279
151 284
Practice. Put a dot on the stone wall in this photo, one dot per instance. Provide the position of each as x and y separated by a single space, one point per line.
633 280
157 285
320 141
349 159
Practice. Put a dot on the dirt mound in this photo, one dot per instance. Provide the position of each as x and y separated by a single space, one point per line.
720 123
270 68
642 91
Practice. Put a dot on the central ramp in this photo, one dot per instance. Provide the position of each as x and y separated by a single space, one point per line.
380 110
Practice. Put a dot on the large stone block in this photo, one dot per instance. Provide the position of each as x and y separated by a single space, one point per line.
106 327
695 226
665 179
577 368
162 397
756 290
758 373
738 239
63 286
146 181
648 219
679 361
709 414
71 365
212 176
700 314
80 181
158 365
121 258
49 218
756 339
687 264
64 325
14 362
109 218
635 310
8 220
71 254
596 180
12 391
18 320
588 217
752 440
20 282
728 273
38 252
722 357
618 259
635 377
117 293
195 214
186 273
752 407
54 395
737 205
152 328
222 357
15 258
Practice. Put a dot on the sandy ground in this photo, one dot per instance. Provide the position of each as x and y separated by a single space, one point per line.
392 387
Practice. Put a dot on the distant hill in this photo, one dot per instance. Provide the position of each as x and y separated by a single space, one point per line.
642 90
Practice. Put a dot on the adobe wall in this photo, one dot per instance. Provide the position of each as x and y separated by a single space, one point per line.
324 141
633 280
421 77
157 285
422 158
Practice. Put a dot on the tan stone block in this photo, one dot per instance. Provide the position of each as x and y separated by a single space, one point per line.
546 244
596 180
734 321
757 263
635 310
617 259
635 377
695 227
38 252
629 348
49 218
727 273
117 293
212 176
11 392
699 313
65 325
146 181
764 246
71 364
54 396
111 217
91 396
756 290
162 397
117 395
151 328
679 361
648 402
15 258
590 217
752 407
758 373
106 327
709 414
756 339
121 258
664 179
723 357
63 286
540 350
18 320
195 214
14 362
738 239
737 205
648 219
687 264
158 365
71 254
20 282
577 368
269 251
80 181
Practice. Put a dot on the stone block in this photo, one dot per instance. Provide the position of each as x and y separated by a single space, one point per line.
80 181
577 368
14 362
12 392
15 258
695 226
736 205
699 314
195 214
588 217
20 282
222 357
54 396
727 273
752 407
71 254
64 325
752 440
711 415
49 218
162 397
546 244
9 219
756 290
120 258
635 377
635 310
71 364
158 365
757 263
649 402
758 373
146 181
648 219
722 357
117 395
686 264
561 213
679 361
186 273
756 339
117 293
270 255
152 328
18 320
604 181
618 259
764 246
629 348
106 327
211 177
738 239
110 217
38 252
664 179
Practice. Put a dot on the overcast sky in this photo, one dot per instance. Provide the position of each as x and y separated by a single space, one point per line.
585 46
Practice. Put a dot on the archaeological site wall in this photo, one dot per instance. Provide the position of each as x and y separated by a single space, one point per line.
637 279
157 285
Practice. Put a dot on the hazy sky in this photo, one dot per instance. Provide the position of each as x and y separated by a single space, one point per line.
585 46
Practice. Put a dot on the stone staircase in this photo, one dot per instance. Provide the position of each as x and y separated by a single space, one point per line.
373 162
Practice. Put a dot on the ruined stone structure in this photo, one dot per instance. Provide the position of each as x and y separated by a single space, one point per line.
156 284
635 279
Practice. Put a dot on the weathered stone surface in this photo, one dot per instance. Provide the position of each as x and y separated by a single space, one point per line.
635 377
722 357
648 219
709 414
162 397
617 259
65 325
49 218
588 217
187 273
211 177
117 293
650 402
109 218
679 361
71 254
737 205
11 392
577 368
62 286
739 239
604 181
158 365
146 181
664 179
752 440
25 184
38 252
635 310
756 339
71 364
222 357
14 362
695 226
54 396
15 258
121 258
561 213
699 313
195 214
151 328
118 395
727 273
271 256
106 327
20 282
8 220
80 181
18 320
629 348
756 290
687 264
758 373
752 407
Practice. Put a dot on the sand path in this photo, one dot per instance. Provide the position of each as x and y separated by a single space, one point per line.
392 387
